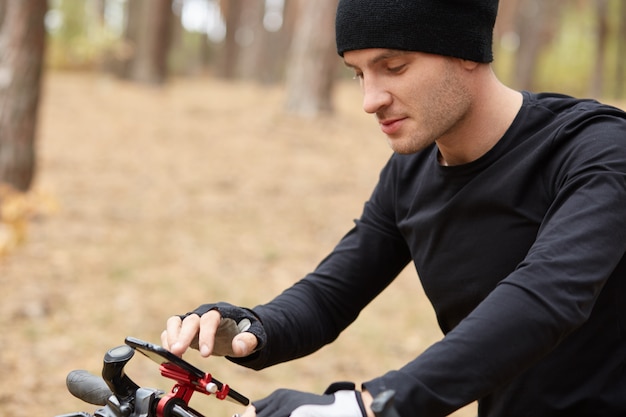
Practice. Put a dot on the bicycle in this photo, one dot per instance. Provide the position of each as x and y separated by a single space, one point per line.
120 396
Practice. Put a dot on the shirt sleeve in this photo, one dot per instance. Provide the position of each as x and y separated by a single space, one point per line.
315 310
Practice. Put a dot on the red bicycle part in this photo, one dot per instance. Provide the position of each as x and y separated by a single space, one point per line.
186 385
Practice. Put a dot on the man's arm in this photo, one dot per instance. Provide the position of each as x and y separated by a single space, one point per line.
547 299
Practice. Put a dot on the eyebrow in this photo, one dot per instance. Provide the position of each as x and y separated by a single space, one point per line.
386 54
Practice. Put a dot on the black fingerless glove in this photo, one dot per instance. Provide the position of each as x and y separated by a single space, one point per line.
245 319
339 400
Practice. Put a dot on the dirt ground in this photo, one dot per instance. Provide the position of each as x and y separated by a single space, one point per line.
162 199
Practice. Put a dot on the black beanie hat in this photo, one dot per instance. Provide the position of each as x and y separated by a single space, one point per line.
457 28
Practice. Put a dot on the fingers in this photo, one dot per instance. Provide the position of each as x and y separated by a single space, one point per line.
180 334
209 322
169 336
244 344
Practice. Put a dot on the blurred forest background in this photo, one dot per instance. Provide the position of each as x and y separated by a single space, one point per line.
158 154
573 46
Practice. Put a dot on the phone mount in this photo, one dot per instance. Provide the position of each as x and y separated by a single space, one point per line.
186 385
121 397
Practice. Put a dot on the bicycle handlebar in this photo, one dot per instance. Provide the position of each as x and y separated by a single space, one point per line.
88 387
121 397
179 411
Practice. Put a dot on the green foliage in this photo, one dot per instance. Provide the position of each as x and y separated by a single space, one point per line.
568 62
77 37
191 53
81 39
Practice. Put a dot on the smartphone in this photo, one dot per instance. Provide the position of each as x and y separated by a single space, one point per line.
160 355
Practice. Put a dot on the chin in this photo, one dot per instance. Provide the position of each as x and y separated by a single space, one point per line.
408 145
404 148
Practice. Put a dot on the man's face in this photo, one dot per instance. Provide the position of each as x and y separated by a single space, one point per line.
418 98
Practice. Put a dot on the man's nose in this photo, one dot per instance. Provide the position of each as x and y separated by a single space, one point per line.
375 97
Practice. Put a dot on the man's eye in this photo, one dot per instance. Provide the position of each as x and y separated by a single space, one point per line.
396 69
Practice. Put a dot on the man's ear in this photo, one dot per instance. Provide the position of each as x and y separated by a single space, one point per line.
469 65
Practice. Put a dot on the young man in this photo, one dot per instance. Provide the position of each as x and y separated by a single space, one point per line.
511 205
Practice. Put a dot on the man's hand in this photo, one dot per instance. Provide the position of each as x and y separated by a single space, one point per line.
339 400
215 329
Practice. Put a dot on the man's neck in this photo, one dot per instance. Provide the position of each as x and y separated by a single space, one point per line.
494 108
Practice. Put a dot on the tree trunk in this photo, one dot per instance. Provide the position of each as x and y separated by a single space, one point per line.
273 60
620 77
22 44
251 51
602 32
251 37
148 31
537 21
313 59
231 10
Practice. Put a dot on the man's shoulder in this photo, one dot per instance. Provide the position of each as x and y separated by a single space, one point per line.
568 106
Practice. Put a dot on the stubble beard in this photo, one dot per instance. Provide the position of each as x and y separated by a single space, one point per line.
442 112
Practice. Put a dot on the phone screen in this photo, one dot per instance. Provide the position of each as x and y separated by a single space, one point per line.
160 355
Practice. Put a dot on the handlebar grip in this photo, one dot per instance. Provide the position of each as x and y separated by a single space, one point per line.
88 387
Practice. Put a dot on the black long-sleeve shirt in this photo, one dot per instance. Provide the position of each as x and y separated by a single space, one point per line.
521 253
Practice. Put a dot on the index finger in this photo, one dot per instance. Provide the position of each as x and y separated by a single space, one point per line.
180 333
170 334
